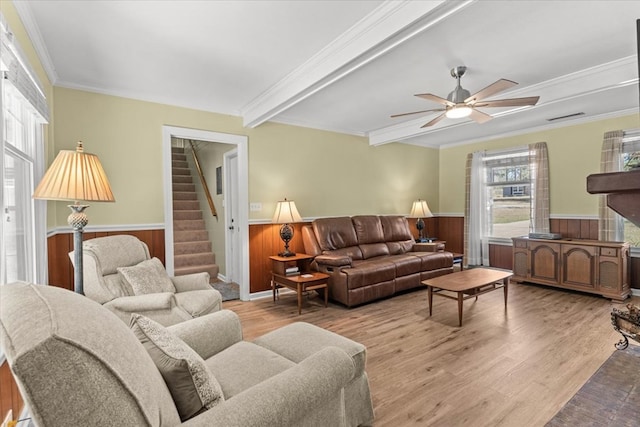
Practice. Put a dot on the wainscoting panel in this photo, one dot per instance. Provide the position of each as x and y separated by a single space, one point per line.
501 256
10 398
264 241
59 246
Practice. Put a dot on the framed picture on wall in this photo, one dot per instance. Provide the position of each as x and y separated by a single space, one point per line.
219 180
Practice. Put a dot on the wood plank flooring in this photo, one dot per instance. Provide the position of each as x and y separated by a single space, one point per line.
513 367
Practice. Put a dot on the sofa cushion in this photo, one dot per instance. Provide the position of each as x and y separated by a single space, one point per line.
199 303
310 339
406 264
368 229
116 251
148 277
373 250
244 365
191 383
397 234
434 260
335 233
369 272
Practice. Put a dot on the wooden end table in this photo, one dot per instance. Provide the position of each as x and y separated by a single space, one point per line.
301 283
467 284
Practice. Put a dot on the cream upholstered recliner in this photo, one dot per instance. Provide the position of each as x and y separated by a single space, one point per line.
76 364
119 274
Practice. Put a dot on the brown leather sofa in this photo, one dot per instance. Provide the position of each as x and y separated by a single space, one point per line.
369 257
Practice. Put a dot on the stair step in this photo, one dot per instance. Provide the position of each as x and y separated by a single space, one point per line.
179 186
179 164
187 205
182 179
188 224
190 235
177 150
179 156
185 195
211 269
180 171
182 215
191 260
184 248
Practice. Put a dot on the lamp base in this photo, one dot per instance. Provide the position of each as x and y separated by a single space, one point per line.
286 253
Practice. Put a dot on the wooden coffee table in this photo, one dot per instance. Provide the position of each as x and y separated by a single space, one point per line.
467 284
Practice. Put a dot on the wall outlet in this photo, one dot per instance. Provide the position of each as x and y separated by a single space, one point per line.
7 419
255 207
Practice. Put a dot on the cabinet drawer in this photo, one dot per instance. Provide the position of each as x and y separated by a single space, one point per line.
608 252
520 243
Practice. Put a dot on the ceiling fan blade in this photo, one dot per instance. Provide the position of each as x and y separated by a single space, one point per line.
479 116
513 102
416 112
492 89
435 98
434 121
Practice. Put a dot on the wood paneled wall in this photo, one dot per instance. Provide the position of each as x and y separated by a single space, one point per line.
10 398
575 228
59 246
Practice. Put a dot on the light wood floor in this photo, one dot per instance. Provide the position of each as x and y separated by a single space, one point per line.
501 368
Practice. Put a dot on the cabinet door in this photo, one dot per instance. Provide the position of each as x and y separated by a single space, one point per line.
579 266
545 265
520 263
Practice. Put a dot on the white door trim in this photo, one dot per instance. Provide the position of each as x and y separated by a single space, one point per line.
242 144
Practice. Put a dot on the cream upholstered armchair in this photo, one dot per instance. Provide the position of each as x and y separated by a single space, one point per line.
120 274
76 364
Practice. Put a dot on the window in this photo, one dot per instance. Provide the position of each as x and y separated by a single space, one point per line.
23 112
508 193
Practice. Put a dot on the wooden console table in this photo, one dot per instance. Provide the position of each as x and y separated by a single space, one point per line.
591 266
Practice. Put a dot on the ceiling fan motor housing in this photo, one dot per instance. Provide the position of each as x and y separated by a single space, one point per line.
459 94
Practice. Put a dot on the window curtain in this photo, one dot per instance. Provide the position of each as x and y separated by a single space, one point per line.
539 175
610 224
476 216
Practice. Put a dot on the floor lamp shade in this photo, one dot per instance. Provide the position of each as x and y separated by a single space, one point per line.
75 176
420 210
285 214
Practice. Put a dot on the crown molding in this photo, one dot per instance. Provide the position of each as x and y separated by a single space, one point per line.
392 23
26 16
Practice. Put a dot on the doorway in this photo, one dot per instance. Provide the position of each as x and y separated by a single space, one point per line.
236 189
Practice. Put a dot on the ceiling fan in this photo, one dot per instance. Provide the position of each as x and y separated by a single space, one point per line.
460 103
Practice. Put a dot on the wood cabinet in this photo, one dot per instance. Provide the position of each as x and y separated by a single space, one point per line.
583 265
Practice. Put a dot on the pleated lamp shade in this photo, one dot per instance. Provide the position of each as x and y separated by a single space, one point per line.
77 176
420 209
286 213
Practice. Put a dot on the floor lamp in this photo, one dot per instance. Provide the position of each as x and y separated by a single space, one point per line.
76 176
420 210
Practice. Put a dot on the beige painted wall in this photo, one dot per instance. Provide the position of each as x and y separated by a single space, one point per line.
574 153
326 173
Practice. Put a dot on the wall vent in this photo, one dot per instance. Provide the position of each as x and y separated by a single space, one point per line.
565 117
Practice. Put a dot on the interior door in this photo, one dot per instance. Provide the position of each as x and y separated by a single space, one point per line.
232 255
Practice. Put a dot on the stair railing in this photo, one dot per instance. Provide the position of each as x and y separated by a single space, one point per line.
203 180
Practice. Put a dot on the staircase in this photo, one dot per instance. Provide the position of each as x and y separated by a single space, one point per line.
191 244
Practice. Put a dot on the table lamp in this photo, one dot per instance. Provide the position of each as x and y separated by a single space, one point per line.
286 213
420 210
75 176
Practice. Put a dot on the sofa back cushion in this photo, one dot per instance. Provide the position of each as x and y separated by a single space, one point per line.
397 234
370 235
337 236
77 363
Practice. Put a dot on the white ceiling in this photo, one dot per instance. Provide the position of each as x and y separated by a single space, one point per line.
348 65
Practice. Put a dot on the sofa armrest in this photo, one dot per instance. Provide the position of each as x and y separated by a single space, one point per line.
428 247
288 398
211 333
333 260
191 282
142 303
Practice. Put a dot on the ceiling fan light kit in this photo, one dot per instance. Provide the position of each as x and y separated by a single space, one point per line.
460 103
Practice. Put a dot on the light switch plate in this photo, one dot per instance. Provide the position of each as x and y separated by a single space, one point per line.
255 207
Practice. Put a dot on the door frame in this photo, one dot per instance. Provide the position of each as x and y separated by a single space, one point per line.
242 144
231 236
